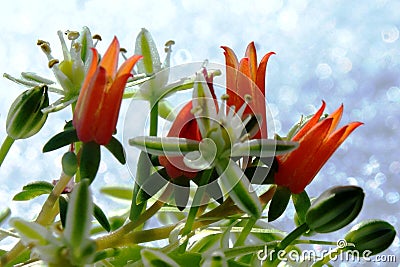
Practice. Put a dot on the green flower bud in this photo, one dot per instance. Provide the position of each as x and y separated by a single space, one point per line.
373 235
335 208
25 117
69 163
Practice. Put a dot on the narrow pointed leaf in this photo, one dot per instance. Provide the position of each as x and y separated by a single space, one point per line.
33 190
152 185
262 148
39 185
63 205
61 139
206 243
154 258
79 216
4 214
169 146
118 192
234 181
182 193
101 218
90 160
116 148
279 202
301 203
31 232
142 173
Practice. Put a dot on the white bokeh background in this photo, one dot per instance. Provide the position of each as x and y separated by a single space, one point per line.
340 51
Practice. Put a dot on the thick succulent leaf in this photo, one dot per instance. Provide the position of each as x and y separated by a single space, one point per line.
234 181
60 140
152 185
118 192
301 203
63 205
206 243
126 254
101 218
155 258
4 214
279 202
116 148
90 160
144 167
79 217
33 190
169 146
181 194
31 232
262 148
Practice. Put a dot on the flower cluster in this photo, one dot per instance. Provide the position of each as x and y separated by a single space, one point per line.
216 181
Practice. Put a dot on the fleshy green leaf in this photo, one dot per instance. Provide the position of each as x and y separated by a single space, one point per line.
116 148
4 214
206 243
63 204
39 185
216 259
170 146
90 160
126 254
301 203
181 195
107 253
152 185
234 181
33 190
79 217
118 192
262 148
31 232
154 258
279 202
142 173
60 140
101 218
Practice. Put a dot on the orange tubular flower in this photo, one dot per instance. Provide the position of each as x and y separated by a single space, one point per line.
242 78
246 78
318 141
99 101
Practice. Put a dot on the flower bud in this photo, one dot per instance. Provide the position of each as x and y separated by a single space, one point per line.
69 163
25 117
372 235
335 208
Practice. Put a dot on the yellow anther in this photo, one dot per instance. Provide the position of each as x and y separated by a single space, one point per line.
72 35
53 62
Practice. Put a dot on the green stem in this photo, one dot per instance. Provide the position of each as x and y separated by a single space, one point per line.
46 216
154 119
245 232
290 238
115 237
198 196
327 258
5 147
143 166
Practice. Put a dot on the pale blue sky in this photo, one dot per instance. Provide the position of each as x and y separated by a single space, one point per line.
335 50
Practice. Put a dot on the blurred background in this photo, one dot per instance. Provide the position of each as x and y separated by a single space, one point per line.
338 51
